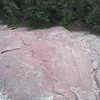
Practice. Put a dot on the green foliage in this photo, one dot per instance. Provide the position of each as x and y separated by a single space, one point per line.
93 17
61 12
8 9
52 11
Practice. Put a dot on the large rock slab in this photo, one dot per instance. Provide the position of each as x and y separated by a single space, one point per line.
44 65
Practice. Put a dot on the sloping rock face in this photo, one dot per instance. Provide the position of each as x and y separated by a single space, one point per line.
46 64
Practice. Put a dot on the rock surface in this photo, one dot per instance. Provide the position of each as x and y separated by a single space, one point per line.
48 64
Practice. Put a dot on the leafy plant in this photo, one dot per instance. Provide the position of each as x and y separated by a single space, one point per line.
61 12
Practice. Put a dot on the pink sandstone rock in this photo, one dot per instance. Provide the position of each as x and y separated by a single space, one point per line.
43 65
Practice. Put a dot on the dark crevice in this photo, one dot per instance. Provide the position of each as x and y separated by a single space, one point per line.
5 51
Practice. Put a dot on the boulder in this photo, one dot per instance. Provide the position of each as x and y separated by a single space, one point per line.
44 64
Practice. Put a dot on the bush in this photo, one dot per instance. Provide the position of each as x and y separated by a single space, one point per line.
52 11
93 17
8 9
60 12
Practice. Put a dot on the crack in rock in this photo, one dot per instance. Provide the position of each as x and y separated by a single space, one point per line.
5 51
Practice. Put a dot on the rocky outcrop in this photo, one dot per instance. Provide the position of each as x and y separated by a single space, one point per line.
47 64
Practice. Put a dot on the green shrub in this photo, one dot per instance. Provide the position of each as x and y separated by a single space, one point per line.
93 17
53 11
60 12
8 9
